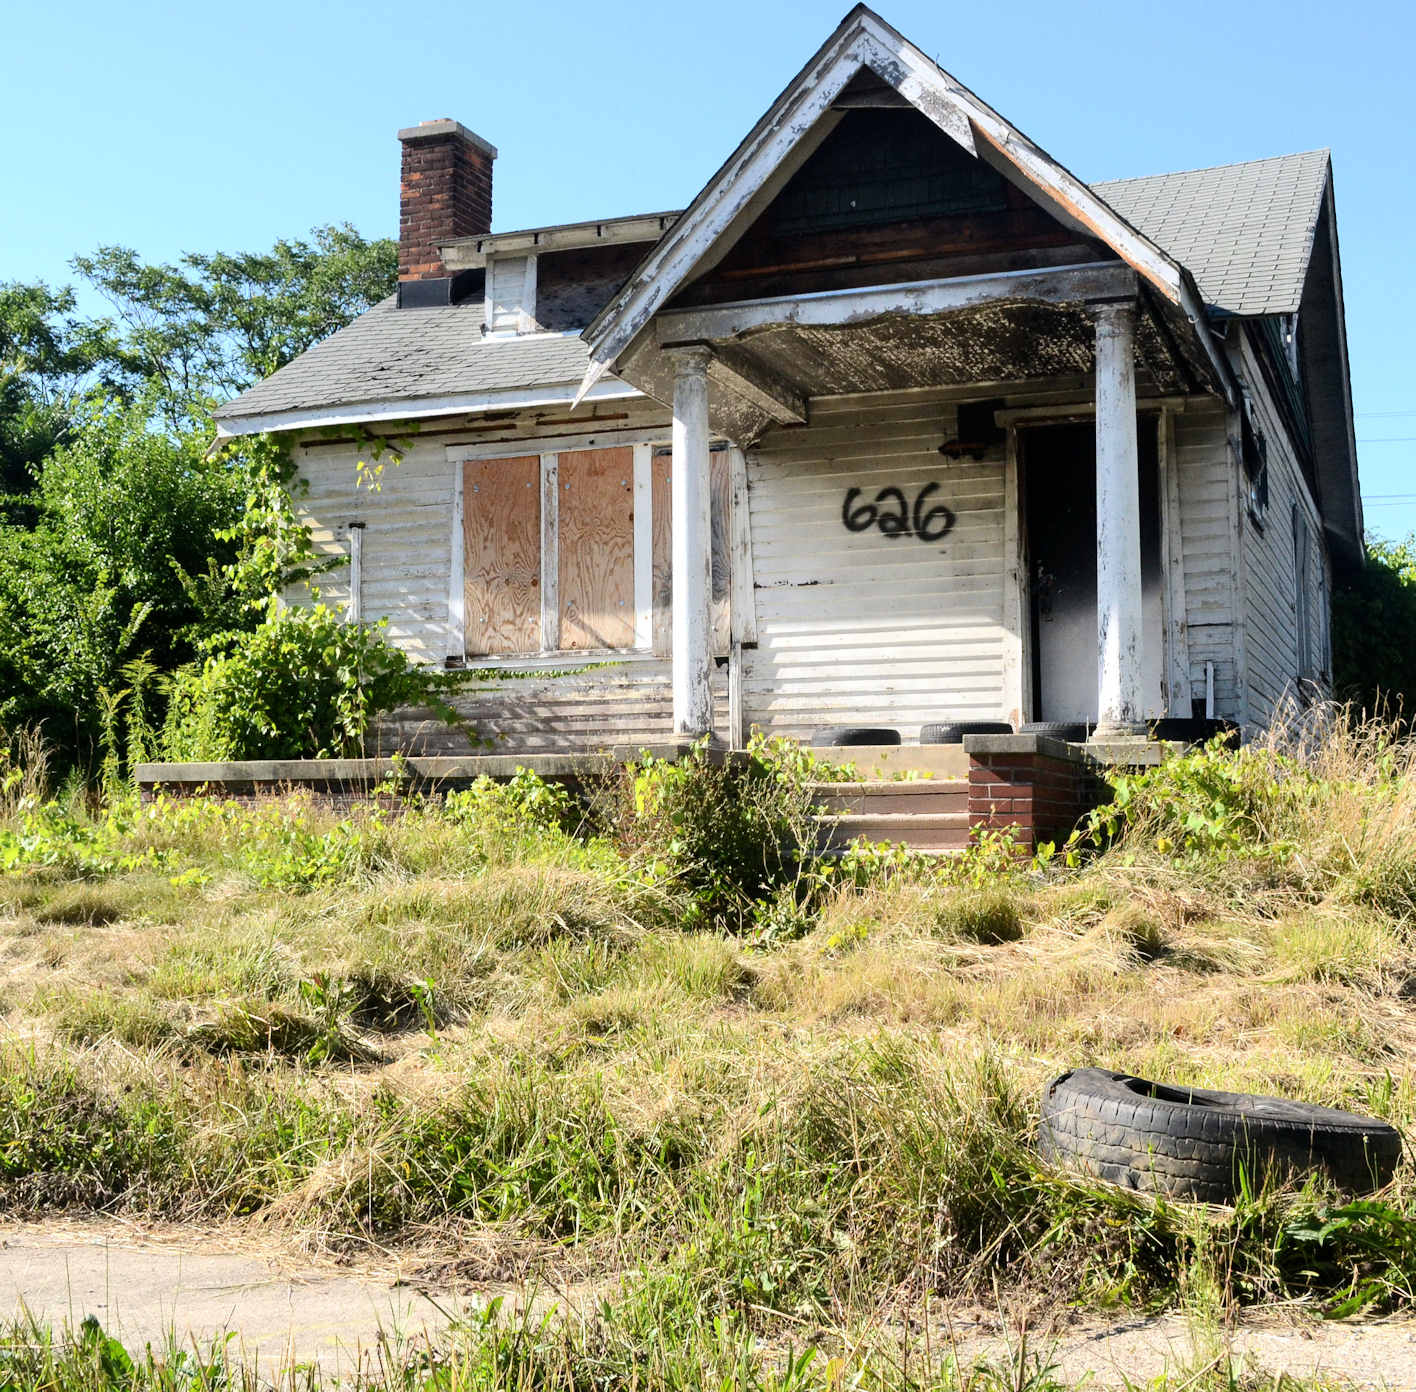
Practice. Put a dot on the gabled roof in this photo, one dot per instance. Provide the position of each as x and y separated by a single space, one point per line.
795 124
1244 231
393 363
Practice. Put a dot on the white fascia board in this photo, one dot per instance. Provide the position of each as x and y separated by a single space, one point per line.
823 308
863 40
314 417
470 253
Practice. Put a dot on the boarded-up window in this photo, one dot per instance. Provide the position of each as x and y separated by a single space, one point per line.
501 528
596 551
720 485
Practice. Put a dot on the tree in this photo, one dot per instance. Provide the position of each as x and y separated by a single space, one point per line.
50 362
1374 630
209 326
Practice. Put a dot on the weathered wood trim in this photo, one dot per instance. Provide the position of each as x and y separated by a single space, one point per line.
550 552
467 403
356 572
526 321
457 593
1172 548
643 546
737 732
758 386
1066 412
742 603
601 439
839 308
1235 507
863 40
1017 688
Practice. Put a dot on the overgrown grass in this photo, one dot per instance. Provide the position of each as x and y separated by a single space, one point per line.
790 1096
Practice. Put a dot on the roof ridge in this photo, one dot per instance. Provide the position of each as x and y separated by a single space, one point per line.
1213 168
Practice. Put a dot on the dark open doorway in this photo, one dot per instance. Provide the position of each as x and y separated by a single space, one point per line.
1059 502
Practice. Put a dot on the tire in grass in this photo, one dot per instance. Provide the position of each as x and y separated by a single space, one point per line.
1192 1143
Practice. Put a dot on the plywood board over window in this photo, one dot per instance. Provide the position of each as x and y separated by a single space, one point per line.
501 528
720 487
596 548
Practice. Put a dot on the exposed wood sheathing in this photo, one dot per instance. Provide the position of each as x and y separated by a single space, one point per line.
596 548
501 526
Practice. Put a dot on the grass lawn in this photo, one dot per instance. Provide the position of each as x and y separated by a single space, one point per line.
771 1121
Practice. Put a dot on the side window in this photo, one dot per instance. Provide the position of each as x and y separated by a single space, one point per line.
1255 449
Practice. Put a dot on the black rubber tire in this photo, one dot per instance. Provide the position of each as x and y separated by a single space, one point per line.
953 731
1192 729
849 735
1073 731
1190 1143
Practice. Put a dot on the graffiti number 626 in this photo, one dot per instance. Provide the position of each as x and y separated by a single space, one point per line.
892 513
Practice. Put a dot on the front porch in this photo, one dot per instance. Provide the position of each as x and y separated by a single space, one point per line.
896 578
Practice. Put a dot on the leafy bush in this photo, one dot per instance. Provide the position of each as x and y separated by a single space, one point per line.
735 832
304 685
1374 630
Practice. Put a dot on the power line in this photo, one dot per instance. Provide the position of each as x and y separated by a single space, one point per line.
1387 440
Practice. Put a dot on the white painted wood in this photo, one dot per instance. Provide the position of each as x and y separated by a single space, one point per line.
833 308
692 545
526 318
355 607
759 387
643 546
1235 507
608 438
468 403
1172 550
1119 604
1017 683
742 606
737 731
472 253
1059 413
550 552
506 282
857 627
456 592
864 40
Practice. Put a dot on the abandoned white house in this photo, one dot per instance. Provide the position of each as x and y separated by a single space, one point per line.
898 422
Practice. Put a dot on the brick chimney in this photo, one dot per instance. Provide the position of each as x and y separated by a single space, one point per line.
446 192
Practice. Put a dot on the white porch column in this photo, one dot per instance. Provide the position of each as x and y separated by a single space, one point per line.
692 545
1118 525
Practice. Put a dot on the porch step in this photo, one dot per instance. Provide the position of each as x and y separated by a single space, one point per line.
928 815
935 831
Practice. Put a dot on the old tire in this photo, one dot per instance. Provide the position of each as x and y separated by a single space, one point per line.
1192 729
1191 1143
953 731
848 735
1073 731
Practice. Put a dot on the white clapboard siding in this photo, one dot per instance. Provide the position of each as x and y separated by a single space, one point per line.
630 703
1205 476
407 538
1271 580
860 628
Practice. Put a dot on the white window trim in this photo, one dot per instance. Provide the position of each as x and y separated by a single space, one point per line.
642 442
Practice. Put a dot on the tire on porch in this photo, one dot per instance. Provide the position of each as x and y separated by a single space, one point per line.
845 736
953 731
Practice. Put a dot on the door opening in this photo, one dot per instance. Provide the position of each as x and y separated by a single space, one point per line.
1059 500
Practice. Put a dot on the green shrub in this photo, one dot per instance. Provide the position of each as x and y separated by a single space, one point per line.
735 833
304 685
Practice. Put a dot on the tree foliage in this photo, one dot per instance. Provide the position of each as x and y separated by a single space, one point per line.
1374 630
126 550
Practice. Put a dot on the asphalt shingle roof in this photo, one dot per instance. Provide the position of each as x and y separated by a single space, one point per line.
388 354
1244 231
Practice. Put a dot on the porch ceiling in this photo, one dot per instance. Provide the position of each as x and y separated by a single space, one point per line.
771 356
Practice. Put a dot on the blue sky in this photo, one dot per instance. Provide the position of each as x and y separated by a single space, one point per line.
199 127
